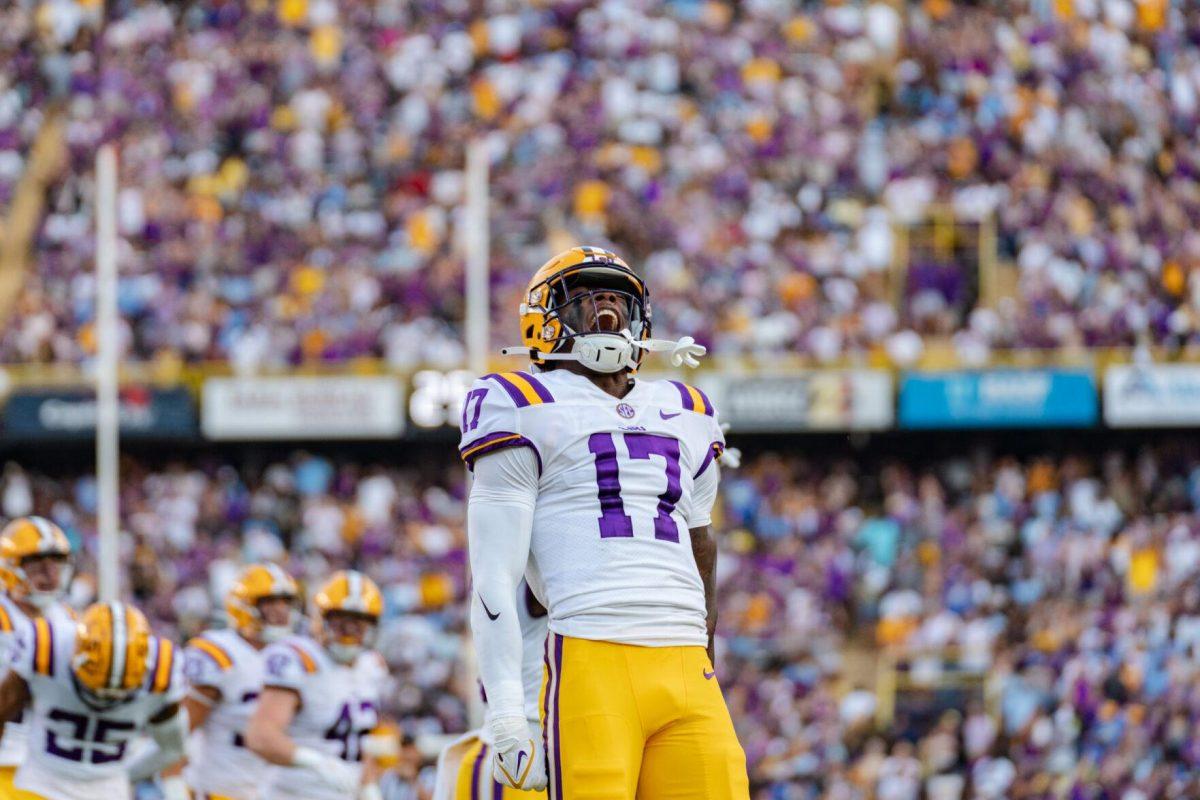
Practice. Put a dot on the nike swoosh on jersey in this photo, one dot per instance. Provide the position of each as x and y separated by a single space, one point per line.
708 676
665 415
487 610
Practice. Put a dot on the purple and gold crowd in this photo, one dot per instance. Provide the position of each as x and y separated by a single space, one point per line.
1062 597
292 170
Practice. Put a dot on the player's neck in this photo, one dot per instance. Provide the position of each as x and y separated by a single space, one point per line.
30 610
617 384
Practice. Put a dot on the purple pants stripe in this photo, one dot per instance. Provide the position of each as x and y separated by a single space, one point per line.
546 708
558 655
497 791
475 772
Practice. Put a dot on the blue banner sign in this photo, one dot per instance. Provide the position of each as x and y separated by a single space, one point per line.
1015 398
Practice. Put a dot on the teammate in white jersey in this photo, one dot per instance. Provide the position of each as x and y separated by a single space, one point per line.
599 487
224 670
35 569
464 766
90 688
319 699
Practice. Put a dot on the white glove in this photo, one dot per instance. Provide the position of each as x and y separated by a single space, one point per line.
731 458
517 756
175 788
687 352
333 772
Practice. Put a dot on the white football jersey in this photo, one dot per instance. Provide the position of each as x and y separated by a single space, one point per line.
12 621
338 705
219 763
76 752
611 555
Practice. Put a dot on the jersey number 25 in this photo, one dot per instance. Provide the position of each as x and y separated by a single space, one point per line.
614 522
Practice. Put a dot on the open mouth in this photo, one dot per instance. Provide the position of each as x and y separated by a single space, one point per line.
608 321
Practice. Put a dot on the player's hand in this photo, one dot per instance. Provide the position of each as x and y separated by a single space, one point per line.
333 772
687 352
518 759
174 788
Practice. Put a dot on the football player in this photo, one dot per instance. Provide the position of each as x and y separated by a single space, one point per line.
224 672
89 689
599 486
318 701
35 569
464 767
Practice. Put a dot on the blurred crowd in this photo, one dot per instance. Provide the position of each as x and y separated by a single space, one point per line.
292 170
1042 615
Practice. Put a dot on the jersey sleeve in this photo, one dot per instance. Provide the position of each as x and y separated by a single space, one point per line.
710 440
286 666
206 663
21 649
698 511
491 417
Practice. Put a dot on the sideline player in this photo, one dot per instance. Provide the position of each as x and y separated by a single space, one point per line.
91 688
464 767
35 569
599 486
316 705
224 671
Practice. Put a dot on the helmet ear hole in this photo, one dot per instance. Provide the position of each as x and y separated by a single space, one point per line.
529 332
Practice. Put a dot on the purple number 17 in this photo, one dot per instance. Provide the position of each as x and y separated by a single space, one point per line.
614 522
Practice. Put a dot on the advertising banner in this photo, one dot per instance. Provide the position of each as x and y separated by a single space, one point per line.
1156 395
828 400
303 408
144 413
1018 398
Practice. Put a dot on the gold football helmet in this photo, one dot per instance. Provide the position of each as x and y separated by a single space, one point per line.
347 594
29 538
256 583
552 319
112 652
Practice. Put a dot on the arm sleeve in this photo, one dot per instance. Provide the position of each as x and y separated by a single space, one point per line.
499 527
167 748
490 422
704 495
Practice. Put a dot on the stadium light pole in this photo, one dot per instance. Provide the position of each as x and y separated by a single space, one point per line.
477 313
478 244
107 410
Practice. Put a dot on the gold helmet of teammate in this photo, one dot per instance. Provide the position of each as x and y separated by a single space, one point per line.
564 318
348 605
256 585
112 651
35 561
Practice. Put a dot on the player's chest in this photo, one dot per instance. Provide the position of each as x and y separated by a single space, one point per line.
240 694
337 711
68 729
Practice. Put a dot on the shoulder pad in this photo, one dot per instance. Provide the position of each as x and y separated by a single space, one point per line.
202 644
693 399
523 388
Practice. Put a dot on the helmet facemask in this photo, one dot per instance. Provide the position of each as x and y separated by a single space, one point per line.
599 331
41 599
343 646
